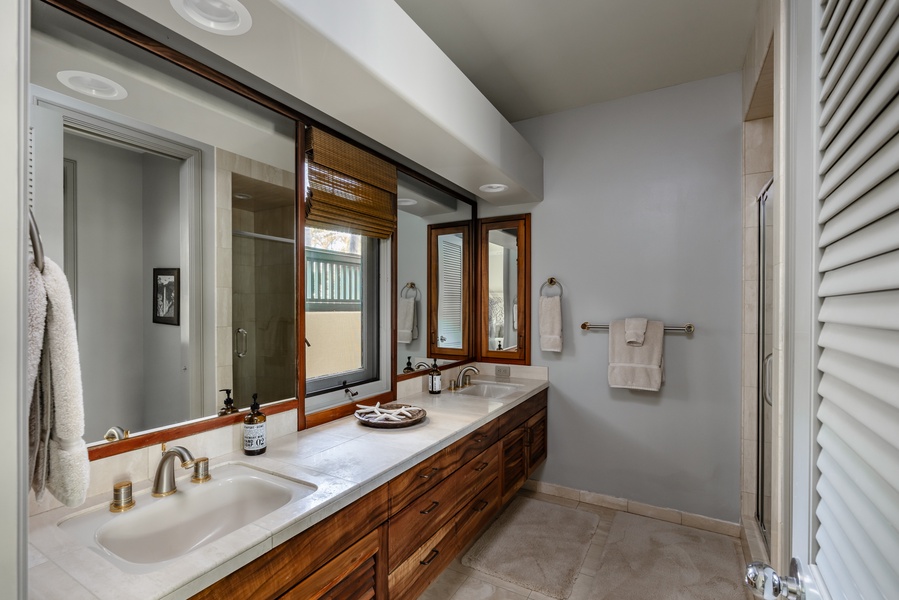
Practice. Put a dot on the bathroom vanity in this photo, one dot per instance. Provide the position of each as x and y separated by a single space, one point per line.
391 510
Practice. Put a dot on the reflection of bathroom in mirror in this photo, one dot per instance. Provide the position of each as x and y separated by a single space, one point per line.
420 205
505 273
502 289
134 164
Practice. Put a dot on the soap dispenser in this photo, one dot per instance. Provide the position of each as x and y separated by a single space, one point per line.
229 407
254 430
434 384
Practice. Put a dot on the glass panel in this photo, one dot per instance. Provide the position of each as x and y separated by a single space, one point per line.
263 300
341 309
450 290
502 289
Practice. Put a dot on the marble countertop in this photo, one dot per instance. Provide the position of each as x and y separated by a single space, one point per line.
345 459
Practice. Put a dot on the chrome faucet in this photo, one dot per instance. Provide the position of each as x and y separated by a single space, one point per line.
422 365
164 482
460 380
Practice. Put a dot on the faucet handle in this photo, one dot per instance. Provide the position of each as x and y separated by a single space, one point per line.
122 499
201 470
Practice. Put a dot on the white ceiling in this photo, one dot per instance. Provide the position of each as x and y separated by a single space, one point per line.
536 57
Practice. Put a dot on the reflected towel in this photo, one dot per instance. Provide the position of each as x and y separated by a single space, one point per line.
62 463
636 367
405 320
634 331
550 314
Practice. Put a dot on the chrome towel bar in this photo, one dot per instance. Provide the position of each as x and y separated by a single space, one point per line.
688 328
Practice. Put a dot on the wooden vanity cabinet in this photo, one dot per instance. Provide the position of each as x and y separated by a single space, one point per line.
329 560
393 542
523 443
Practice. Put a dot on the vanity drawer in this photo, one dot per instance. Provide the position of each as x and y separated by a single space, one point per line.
431 471
477 513
411 578
430 511
521 413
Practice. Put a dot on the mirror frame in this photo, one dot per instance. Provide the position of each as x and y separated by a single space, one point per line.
434 233
109 25
522 353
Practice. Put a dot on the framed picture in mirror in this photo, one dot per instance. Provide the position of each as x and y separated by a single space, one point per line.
167 296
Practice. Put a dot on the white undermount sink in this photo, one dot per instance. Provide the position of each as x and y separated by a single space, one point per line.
158 530
490 389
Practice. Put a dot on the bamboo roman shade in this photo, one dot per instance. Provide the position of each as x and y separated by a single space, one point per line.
858 461
348 189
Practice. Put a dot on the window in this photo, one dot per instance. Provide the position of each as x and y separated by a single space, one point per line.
351 218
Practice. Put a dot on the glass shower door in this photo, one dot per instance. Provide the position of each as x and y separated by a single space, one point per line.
765 355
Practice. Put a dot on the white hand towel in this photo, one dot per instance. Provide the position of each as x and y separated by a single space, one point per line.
550 310
634 331
405 320
636 367
66 470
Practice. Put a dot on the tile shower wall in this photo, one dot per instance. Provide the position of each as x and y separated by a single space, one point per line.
758 168
275 267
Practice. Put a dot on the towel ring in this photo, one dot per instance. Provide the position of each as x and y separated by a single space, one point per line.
551 282
412 287
36 244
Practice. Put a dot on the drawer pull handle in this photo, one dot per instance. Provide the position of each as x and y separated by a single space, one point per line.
481 467
429 474
434 505
481 505
478 441
430 557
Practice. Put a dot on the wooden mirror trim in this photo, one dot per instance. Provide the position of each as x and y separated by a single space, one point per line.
522 354
434 233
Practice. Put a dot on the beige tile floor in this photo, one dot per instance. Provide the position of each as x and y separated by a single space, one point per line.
459 582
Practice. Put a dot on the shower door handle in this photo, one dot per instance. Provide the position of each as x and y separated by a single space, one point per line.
240 336
766 379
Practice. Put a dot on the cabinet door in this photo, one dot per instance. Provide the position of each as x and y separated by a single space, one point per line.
536 440
514 462
351 575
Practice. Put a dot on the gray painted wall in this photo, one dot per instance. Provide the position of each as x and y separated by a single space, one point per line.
642 217
110 282
164 390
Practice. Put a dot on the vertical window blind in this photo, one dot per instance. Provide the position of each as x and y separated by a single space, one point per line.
858 461
348 189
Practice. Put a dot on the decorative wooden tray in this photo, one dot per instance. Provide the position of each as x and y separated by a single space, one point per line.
390 416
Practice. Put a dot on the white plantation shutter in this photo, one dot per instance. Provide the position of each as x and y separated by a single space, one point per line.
449 315
858 463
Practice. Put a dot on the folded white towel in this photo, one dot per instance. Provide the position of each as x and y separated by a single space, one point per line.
405 320
550 310
63 463
634 331
636 367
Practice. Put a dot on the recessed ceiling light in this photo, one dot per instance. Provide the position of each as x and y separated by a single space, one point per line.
93 85
493 188
242 196
406 201
224 17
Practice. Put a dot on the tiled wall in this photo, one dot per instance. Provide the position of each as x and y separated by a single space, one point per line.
758 168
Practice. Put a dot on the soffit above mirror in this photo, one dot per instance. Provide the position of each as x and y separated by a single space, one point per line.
450 129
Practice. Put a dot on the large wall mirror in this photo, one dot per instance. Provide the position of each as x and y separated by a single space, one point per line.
170 202
504 261
422 209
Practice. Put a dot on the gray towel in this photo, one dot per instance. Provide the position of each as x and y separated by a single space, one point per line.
636 367
405 321
37 320
62 466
